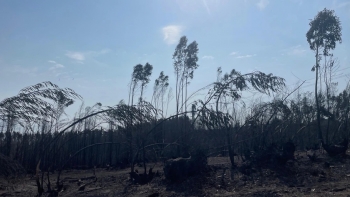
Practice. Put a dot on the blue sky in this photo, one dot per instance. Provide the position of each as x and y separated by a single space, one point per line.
91 46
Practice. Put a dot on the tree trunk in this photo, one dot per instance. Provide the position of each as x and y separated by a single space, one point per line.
320 137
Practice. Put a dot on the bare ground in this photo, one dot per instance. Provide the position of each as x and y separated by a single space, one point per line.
324 177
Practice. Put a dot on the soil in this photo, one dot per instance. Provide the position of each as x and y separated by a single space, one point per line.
302 177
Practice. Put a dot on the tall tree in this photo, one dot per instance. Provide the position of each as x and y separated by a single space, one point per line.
160 86
190 65
144 77
140 76
179 66
185 62
324 33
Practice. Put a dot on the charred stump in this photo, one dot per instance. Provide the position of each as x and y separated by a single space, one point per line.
274 154
142 178
179 169
337 149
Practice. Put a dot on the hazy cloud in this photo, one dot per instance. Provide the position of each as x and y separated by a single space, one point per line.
97 53
76 56
262 4
208 57
171 34
55 65
234 53
80 57
245 56
296 50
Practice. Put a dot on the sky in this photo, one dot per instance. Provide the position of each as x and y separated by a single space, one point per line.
92 46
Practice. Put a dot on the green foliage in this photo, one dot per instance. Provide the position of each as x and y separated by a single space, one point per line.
162 81
180 55
142 73
233 83
325 31
185 62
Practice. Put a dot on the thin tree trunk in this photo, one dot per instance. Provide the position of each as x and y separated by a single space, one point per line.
317 102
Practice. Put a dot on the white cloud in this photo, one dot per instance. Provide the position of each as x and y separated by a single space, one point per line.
80 57
245 56
97 53
236 54
296 50
262 4
56 65
171 34
208 57
76 56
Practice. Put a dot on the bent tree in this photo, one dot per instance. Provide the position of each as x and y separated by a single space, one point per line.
324 33
33 104
33 101
36 103
229 89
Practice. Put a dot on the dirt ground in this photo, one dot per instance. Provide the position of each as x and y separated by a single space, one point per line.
324 177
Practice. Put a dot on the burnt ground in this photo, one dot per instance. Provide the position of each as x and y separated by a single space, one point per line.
324 177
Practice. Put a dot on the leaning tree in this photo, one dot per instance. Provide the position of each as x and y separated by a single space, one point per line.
214 112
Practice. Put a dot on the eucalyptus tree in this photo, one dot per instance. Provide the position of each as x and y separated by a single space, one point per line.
190 65
231 86
185 62
160 87
324 33
136 75
140 78
179 57
144 78
61 103
135 78
33 103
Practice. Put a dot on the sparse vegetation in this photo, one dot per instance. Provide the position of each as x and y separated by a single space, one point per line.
256 138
